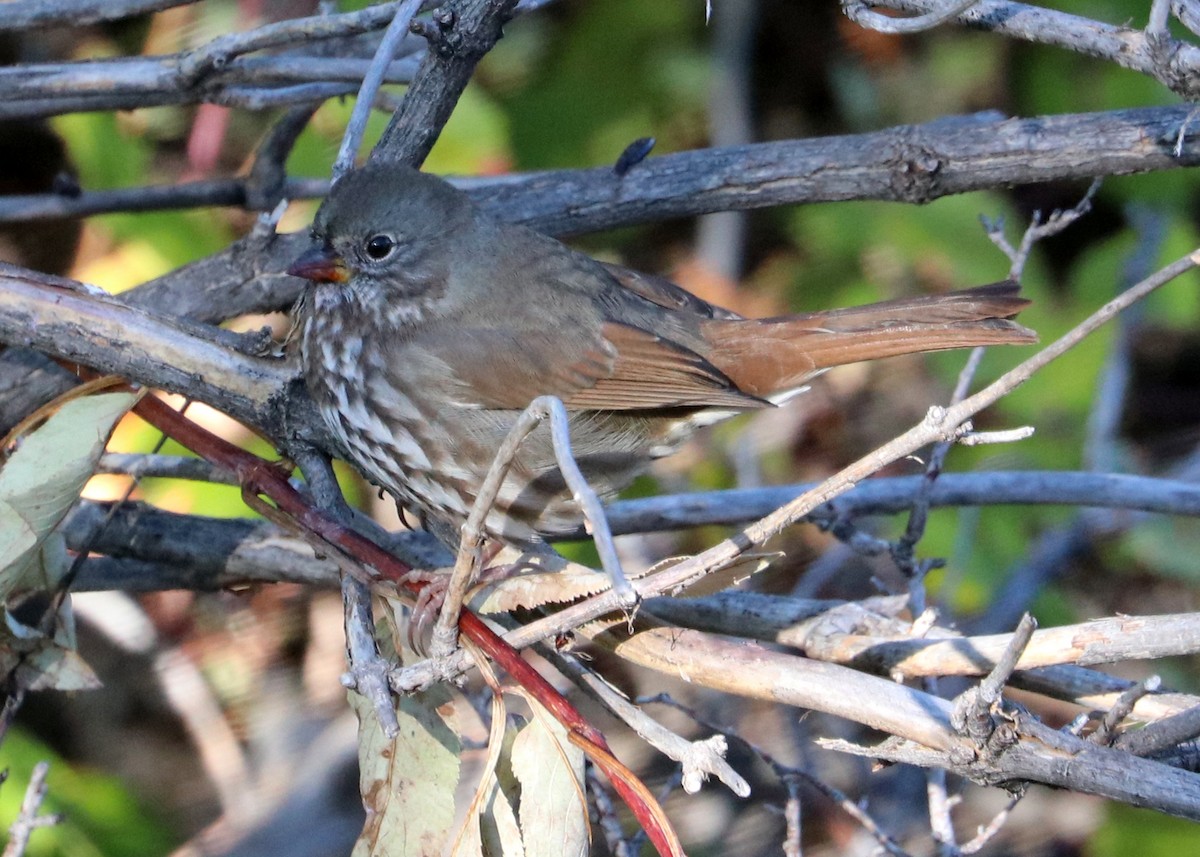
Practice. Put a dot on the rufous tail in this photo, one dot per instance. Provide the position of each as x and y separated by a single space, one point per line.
768 356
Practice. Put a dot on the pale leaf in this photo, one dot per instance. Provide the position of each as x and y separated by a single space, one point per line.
17 542
52 667
553 812
43 477
504 827
740 568
408 782
526 591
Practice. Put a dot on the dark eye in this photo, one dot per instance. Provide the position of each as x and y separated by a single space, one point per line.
379 247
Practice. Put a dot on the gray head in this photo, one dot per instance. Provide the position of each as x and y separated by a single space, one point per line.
385 233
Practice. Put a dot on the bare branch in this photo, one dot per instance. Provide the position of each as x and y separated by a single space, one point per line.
860 12
142 466
462 32
212 564
1173 63
1025 750
916 163
396 32
1107 730
368 671
1162 735
28 820
697 759
77 13
1096 642
53 316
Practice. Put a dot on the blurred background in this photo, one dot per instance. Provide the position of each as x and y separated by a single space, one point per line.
264 761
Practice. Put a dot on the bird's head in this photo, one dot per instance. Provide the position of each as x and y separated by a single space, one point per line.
385 234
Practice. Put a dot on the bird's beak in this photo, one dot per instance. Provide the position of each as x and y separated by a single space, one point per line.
321 265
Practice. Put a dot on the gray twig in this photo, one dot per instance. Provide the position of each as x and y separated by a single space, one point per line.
1162 735
368 674
396 32
1037 230
860 12
792 775
697 759
1106 732
541 409
77 13
1169 61
28 819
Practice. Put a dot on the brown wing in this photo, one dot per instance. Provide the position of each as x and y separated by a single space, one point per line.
627 368
665 293
652 372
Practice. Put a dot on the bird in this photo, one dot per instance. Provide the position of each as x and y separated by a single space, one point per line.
429 325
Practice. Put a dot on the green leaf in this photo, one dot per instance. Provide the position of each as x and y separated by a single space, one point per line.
101 817
1143 832
407 782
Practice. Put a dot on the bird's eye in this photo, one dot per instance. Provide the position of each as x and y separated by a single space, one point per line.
379 247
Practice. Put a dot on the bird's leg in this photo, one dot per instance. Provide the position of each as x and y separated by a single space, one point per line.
470 551
432 597
430 600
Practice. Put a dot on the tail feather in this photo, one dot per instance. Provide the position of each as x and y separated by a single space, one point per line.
765 357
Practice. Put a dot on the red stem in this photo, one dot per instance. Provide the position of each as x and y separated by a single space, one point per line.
261 477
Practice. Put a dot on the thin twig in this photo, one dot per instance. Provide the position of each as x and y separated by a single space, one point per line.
1100 445
789 772
368 674
541 409
1162 735
861 13
396 32
992 686
697 759
1169 61
606 815
28 819
1037 230
1106 731
988 832
903 549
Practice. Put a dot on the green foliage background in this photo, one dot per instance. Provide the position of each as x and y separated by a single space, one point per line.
574 84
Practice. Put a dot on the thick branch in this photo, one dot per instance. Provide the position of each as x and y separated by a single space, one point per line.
461 33
144 534
868 166
1099 641
916 163
77 13
1028 751
51 89
175 355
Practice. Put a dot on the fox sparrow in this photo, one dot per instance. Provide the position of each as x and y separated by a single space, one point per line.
432 325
